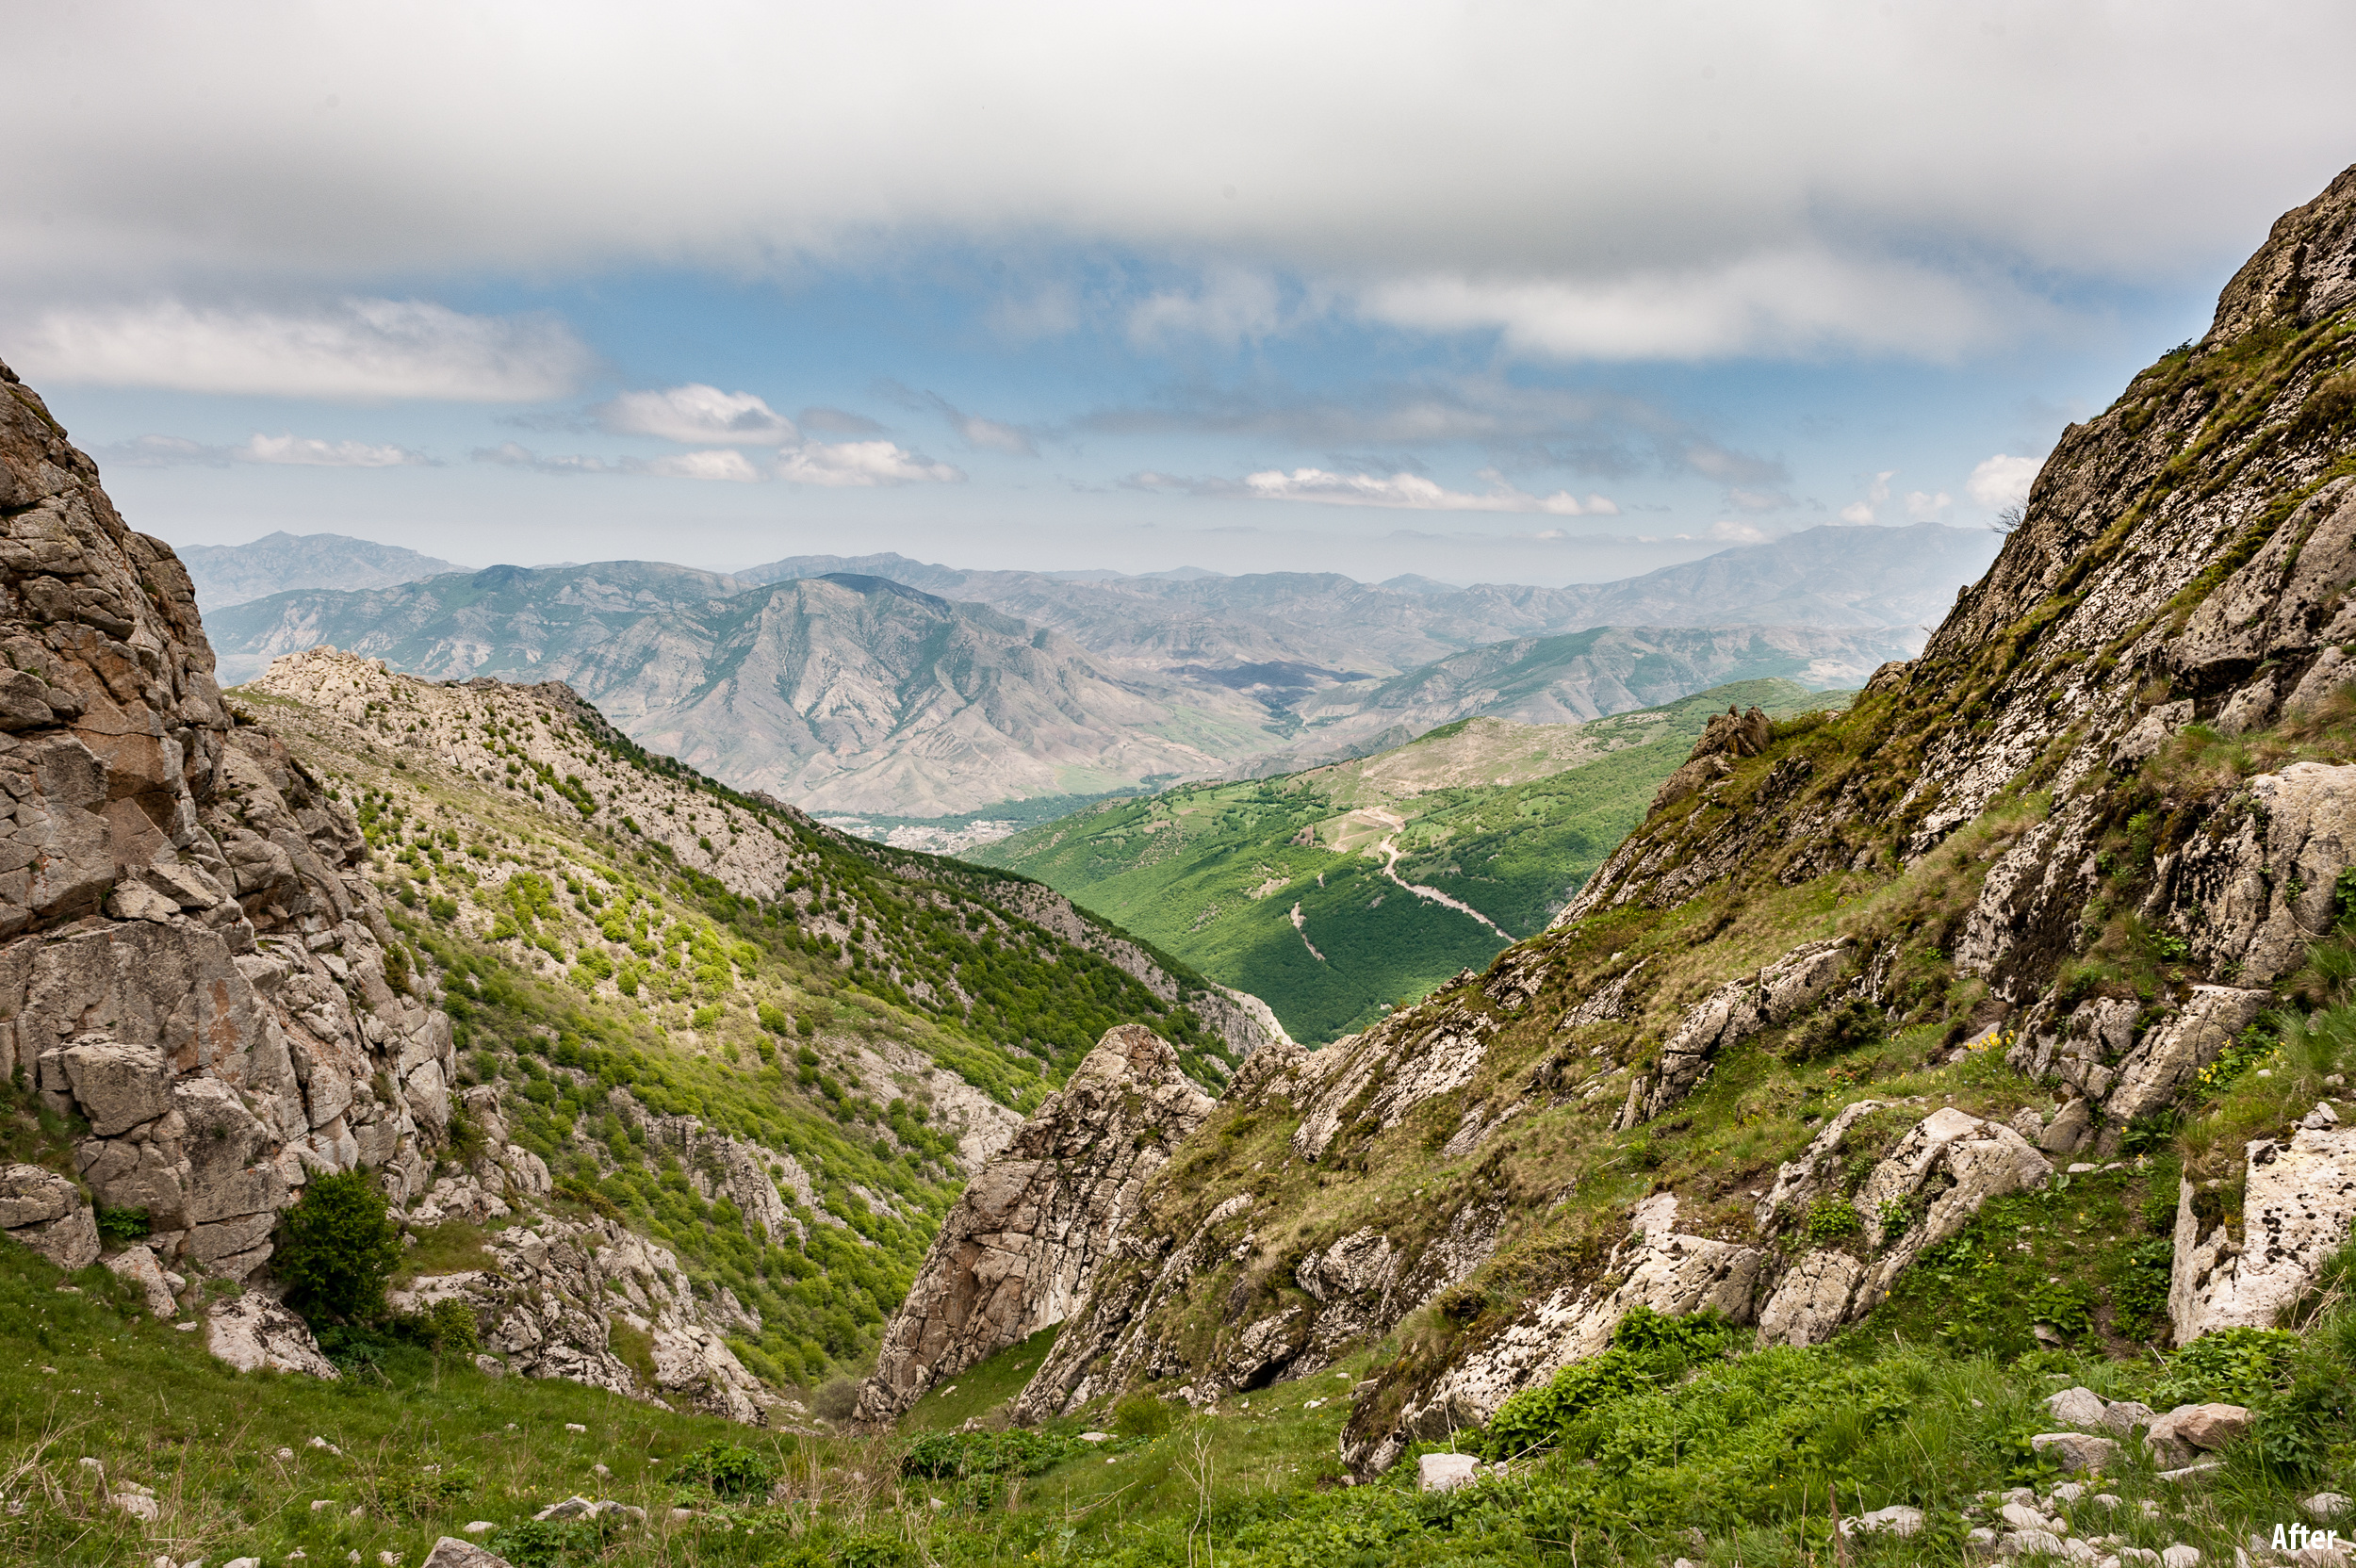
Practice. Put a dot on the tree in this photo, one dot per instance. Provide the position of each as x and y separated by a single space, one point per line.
337 1247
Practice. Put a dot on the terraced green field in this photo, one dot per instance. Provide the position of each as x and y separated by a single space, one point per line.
1294 888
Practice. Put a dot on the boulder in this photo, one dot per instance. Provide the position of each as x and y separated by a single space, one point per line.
1774 994
1445 1472
2125 1415
2077 1452
47 1213
2299 1201
451 1552
253 1333
2324 1506
2174 1051
2175 1437
2078 1407
1898 1520
139 1266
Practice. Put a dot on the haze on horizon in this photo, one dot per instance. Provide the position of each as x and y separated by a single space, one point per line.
1507 294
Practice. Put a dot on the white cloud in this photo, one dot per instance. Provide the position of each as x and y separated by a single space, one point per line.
296 451
1231 307
698 416
305 452
1865 512
839 465
853 463
2000 482
721 463
358 348
1923 507
1411 492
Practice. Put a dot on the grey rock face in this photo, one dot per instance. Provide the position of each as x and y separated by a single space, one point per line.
43 1211
1021 1248
197 968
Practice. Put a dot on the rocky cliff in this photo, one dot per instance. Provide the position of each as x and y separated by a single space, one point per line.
1032 1229
2063 891
192 965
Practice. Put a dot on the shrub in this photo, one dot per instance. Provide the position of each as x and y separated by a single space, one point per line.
730 1470
1831 1219
1648 1351
1142 1415
124 1224
337 1248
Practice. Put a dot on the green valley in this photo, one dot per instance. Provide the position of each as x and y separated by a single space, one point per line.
1337 892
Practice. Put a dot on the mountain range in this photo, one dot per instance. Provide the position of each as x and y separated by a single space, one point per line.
876 684
232 574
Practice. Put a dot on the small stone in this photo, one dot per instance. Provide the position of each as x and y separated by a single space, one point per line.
937 1502
390 1559
243 1563
2021 1517
600 1470
574 1506
320 1503
2138 1557
1979 1535
2325 1506
187 1328
1444 1471
1096 1437
284 1455
2068 1492
2125 1415
575 1427
2191 1472
135 1505
2083 1168
2023 1543
2078 1451
316 1443
1685 1563
479 1527
682 1514
1897 1519
2109 1500
2076 1407
2181 1556
89 1464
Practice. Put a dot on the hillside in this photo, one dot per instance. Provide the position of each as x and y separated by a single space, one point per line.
233 573
1299 889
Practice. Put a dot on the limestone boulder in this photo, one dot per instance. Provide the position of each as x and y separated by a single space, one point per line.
117 1087
139 1266
2299 1201
255 1333
43 1211
2174 1051
2252 887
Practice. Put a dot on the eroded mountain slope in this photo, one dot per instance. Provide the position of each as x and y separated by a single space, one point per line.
1861 983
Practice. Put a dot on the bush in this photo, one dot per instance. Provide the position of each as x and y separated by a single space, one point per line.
1142 1415
1648 1351
1832 1218
337 1248
124 1224
731 1471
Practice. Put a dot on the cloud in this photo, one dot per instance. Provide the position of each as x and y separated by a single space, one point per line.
2000 482
698 416
858 463
361 348
842 464
722 463
1791 179
1609 434
1861 514
1923 507
838 421
1414 492
510 454
977 432
294 451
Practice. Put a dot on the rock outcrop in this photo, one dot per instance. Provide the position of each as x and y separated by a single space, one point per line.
1779 993
195 966
1729 738
1026 1237
43 1211
551 1295
2299 1198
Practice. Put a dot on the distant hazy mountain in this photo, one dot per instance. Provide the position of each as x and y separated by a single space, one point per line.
1837 578
233 573
844 693
913 690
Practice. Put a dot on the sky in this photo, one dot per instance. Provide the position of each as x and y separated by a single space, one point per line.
1487 291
